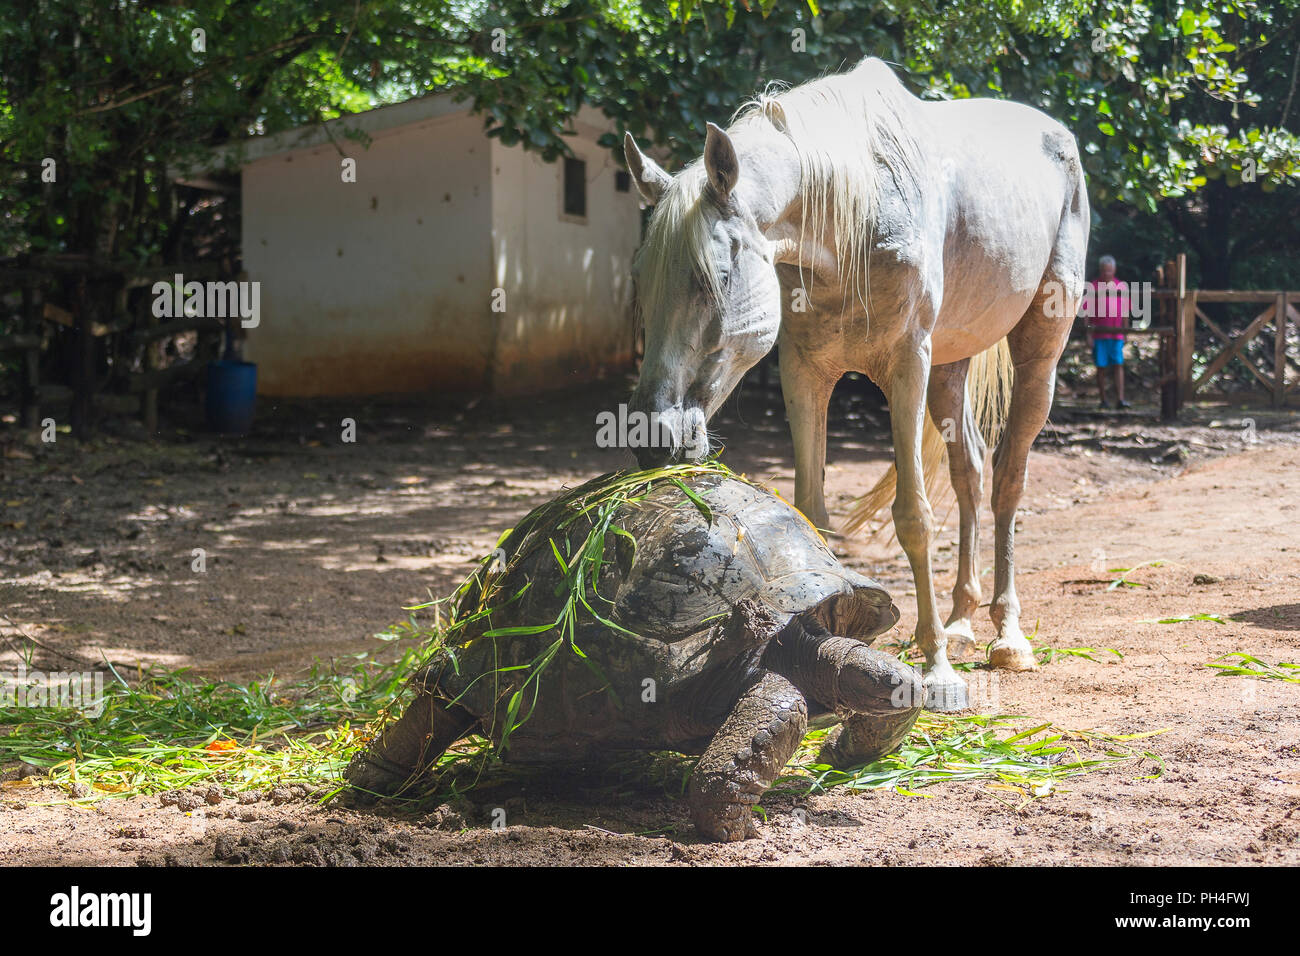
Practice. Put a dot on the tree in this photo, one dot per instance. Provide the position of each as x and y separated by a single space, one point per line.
1182 115
1175 105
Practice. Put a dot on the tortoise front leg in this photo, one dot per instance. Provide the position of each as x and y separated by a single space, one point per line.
879 695
864 738
746 755
406 748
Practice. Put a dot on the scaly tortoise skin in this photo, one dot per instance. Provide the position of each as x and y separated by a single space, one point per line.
745 626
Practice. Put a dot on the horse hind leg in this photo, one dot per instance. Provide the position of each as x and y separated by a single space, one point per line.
1036 344
951 413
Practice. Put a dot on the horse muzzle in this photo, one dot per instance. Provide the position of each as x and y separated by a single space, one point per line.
676 434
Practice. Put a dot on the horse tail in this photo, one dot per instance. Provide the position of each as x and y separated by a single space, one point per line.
934 454
988 399
988 390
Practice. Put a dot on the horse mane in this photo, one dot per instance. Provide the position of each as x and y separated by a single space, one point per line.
847 129
677 241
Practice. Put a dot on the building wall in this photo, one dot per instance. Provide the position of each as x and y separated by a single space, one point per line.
567 284
381 285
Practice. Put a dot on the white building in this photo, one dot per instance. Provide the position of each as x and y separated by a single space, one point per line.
452 263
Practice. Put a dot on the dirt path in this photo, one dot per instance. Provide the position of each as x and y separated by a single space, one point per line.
311 545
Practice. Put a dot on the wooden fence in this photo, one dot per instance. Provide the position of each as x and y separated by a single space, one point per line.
1179 316
93 299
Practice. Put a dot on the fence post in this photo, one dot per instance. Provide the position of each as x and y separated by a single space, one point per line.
1279 352
83 377
31 389
1186 331
1168 354
149 400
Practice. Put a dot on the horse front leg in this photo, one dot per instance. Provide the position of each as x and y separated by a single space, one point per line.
914 522
806 387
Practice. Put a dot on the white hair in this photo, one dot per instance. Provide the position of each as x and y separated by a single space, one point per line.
848 129
677 242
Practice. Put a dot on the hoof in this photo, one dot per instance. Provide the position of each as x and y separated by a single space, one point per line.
961 640
1012 654
945 691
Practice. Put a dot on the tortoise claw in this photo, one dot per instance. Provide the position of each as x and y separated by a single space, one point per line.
724 822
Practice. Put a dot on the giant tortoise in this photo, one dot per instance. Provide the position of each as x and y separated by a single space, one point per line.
695 613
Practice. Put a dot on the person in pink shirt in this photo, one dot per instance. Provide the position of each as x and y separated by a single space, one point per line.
1109 311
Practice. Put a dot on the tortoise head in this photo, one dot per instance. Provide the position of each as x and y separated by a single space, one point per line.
839 600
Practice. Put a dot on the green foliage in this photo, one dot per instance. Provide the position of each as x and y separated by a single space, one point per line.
117 96
1185 618
170 729
1238 664
1031 763
1166 97
1049 654
1184 110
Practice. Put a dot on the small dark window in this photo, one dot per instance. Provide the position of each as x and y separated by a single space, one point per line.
622 180
575 187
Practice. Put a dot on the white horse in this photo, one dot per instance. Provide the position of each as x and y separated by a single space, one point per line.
865 230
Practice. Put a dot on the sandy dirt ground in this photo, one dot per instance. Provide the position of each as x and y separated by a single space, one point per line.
313 545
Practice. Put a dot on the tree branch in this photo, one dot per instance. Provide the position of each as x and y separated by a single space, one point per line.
305 40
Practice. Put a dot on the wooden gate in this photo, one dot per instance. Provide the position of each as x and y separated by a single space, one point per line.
1178 310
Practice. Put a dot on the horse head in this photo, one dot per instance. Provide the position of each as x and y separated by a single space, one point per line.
708 291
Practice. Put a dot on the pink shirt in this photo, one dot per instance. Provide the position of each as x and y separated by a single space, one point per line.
1109 307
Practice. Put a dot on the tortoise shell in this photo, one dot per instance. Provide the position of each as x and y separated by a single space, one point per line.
667 587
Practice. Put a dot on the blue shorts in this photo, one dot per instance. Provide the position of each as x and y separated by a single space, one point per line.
1108 352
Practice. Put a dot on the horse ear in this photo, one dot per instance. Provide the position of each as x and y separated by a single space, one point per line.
720 161
651 180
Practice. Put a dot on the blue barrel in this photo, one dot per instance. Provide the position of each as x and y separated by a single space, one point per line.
232 395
